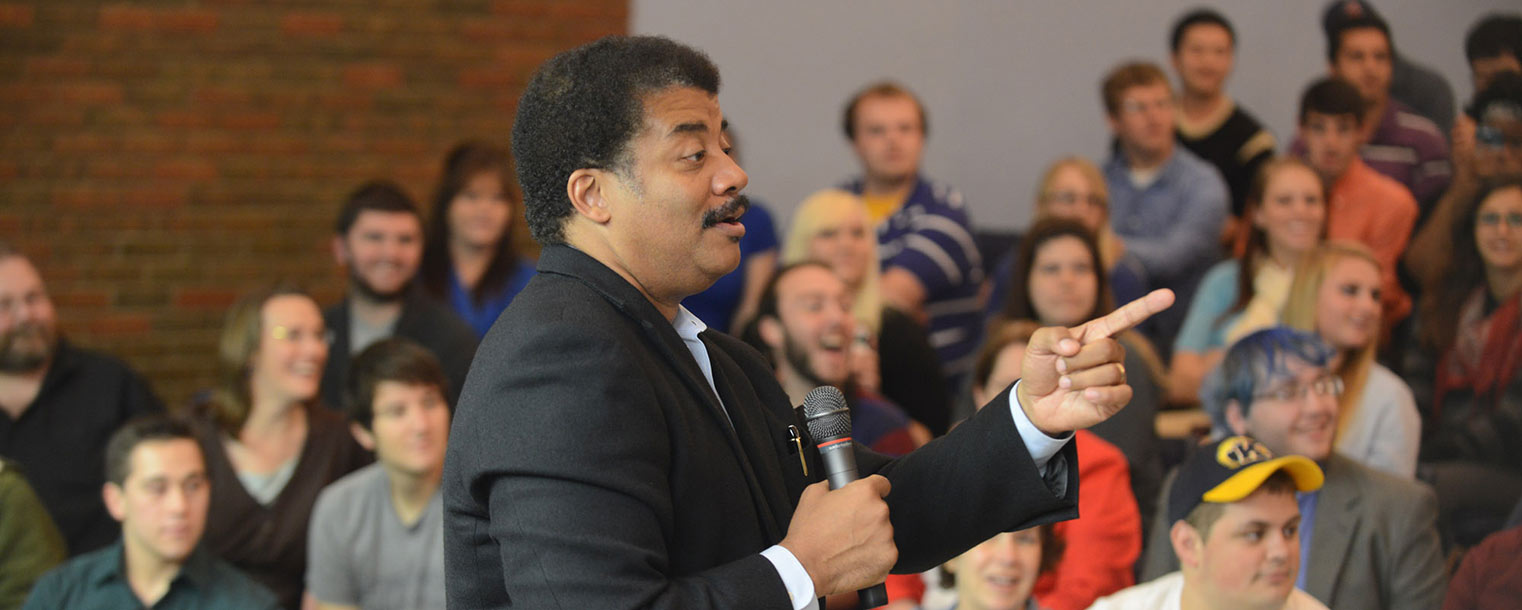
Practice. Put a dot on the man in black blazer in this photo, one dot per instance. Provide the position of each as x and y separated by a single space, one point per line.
608 452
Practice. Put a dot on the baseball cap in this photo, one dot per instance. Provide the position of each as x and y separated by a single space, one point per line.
1232 469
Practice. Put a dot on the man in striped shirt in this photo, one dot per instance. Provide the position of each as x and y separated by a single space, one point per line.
931 268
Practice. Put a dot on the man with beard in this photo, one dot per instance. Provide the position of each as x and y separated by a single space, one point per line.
59 405
805 326
379 239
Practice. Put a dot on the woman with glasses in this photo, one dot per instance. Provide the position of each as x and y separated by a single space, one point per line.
1471 395
269 446
1286 207
1336 294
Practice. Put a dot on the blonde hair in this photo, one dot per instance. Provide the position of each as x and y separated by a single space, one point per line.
1091 174
1300 313
831 207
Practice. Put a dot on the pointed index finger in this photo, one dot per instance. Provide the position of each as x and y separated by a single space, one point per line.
1127 316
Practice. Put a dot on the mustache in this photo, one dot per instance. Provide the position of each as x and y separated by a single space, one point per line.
734 208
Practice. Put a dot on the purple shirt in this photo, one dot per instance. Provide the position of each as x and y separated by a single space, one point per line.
1409 148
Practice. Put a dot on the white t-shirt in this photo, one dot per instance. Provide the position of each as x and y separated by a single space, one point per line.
1164 592
359 553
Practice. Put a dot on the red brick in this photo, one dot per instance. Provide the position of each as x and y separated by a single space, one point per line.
188 21
84 197
523 9
54 116
276 144
118 324
216 299
16 15
157 197
182 119
88 93
219 96
56 67
185 169
83 143
152 142
372 76
203 142
494 77
74 299
126 17
311 24
8 169
250 121
485 30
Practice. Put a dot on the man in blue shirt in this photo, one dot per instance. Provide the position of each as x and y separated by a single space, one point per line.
157 488
1167 205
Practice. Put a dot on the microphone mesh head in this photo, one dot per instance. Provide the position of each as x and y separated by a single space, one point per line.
826 415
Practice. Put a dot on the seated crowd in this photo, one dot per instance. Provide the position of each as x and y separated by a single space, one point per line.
1351 304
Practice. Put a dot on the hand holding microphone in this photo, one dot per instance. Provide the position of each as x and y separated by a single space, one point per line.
841 534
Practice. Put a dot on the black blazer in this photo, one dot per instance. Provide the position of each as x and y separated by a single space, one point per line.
424 321
590 465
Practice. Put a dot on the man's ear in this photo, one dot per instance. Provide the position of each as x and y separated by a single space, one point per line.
1235 418
340 252
115 503
1186 544
588 191
771 331
362 436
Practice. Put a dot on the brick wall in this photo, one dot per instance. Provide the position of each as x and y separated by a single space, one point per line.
158 159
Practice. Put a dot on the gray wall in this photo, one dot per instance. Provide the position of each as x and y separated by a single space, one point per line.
1010 85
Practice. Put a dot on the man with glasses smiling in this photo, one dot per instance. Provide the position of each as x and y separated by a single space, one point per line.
1367 539
1167 205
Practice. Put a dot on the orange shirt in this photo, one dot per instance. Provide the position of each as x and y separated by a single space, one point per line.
1375 210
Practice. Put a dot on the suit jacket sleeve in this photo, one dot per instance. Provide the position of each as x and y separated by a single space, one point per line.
1415 560
573 480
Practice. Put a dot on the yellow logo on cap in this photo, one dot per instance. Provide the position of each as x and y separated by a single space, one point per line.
1239 451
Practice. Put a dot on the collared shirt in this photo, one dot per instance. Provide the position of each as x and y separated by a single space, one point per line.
60 439
1408 147
1171 225
98 580
800 587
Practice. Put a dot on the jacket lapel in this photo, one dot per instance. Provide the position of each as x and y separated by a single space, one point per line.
751 431
1336 527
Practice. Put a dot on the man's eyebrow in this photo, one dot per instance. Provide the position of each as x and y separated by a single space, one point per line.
684 128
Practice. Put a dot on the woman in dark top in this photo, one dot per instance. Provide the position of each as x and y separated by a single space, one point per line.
831 227
1471 395
269 447
1059 280
469 257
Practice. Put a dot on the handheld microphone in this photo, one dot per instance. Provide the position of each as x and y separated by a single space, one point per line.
829 421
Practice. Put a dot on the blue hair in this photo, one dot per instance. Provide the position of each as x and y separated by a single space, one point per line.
1257 361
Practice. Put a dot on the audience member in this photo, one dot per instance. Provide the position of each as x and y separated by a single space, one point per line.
831 227
1464 371
1058 282
58 405
1211 124
805 326
999 574
1286 213
1493 46
1235 526
931 268
1336 295
1487 147
730 303
267 442
379 239
1167 206
1397 141
158 488
377 534
32 543
1106 538
470 260
1364 205
1422 88
1367 539
1072 187
1490 578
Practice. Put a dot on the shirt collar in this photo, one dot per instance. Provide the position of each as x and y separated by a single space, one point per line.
687 325
108 566
112 567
